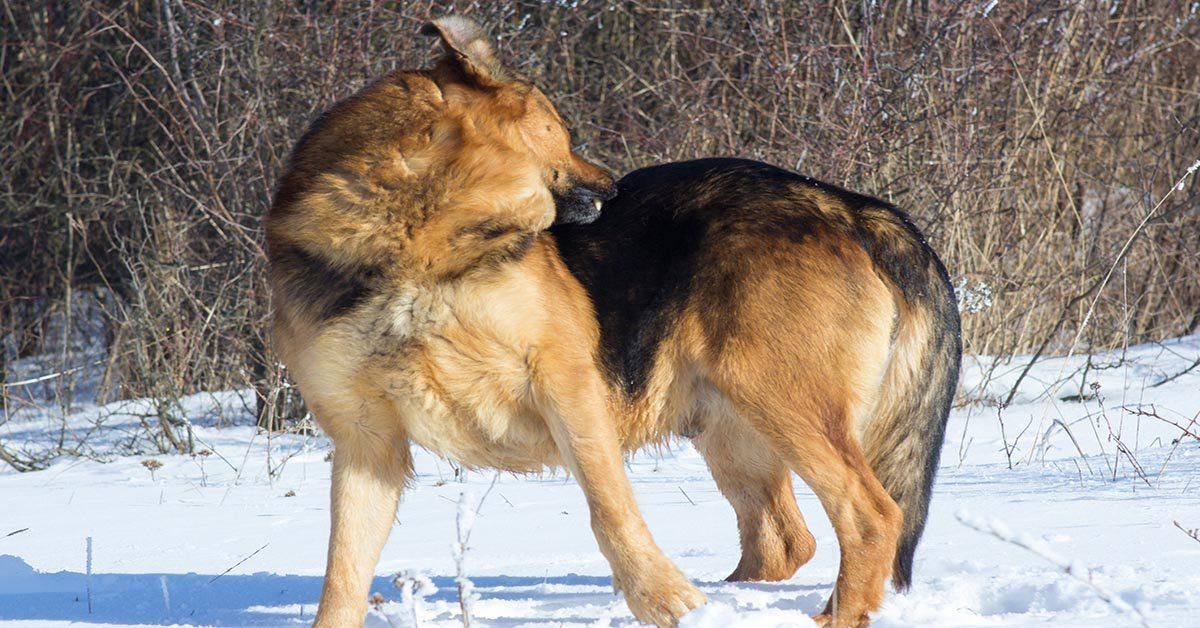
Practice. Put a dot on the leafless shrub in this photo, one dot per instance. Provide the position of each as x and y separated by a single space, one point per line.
1032 141
152 465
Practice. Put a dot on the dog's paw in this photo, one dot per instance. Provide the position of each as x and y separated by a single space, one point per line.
825 620
659 594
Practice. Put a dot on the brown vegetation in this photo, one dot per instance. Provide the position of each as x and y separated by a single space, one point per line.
1038 144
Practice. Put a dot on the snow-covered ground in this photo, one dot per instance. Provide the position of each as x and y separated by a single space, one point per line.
1092 477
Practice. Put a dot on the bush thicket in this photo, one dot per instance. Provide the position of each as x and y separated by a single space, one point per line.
1038 143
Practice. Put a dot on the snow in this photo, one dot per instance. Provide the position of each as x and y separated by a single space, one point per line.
1191 169
1076 497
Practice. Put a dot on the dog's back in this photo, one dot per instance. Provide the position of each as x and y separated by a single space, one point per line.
699 240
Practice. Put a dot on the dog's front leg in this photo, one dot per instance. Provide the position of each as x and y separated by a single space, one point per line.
371 463
586 436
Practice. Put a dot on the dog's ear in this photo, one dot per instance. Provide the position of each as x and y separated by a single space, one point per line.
468 47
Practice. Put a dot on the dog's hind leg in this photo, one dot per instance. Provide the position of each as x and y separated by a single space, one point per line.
775 540
810 433
802 362
371 463
807 421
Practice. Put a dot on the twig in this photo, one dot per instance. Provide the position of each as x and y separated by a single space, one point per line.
1194 532
464 522
166 594
49 376
999 530
89 574
238 563
1153 413
1177 375
1079 449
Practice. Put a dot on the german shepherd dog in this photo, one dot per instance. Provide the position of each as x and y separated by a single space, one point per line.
443 275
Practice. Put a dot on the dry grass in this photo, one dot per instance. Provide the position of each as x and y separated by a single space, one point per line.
142 140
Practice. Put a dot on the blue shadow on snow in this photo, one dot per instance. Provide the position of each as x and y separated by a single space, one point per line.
230 600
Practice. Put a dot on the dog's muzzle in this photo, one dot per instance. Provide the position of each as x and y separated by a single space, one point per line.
580 205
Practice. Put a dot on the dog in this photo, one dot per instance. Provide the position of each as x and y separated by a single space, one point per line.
447 272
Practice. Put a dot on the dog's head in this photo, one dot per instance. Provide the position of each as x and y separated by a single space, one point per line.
513 123
433 172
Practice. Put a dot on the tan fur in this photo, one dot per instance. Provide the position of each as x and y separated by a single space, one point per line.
492 364
471 339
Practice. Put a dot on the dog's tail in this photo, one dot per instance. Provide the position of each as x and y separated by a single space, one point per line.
904 438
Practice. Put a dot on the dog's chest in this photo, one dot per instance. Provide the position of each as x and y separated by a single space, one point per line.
456 366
